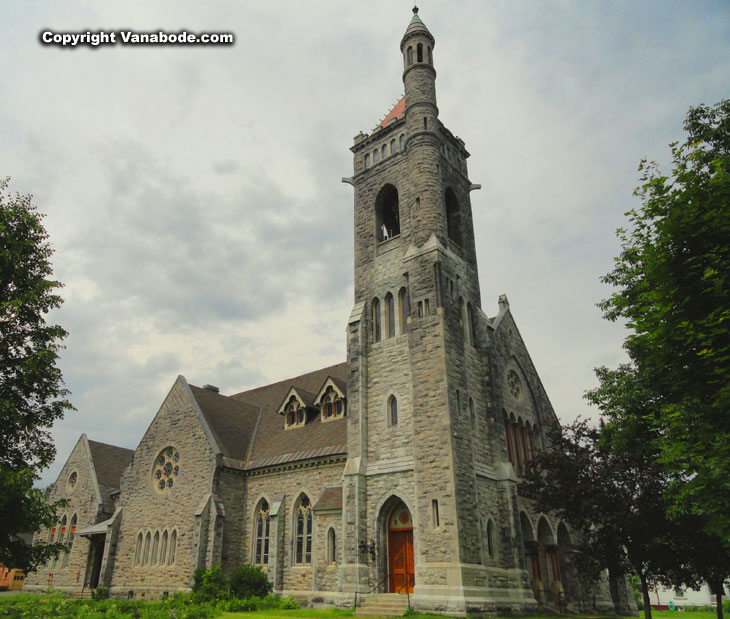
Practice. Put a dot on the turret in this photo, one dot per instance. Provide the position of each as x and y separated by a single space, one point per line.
423 143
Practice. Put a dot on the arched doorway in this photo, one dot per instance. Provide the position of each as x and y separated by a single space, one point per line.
400 550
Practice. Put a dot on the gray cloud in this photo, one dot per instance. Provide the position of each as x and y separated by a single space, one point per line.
194 196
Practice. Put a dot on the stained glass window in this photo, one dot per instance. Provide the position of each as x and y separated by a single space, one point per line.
303 554
166 469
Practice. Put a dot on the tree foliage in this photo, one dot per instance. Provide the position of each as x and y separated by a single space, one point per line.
612 496
32 392
673 281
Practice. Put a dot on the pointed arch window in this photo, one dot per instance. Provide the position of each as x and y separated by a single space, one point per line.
392 146
376 319
163 549
70 542
138 551
419 52
155 548
173 548
403 310
430 55
262 533
409 56
402 141
472 415
384 151
508 432
331 546
146 553
390 315
331 404
490 539
367 160
303 539
392 411
294 413
470 322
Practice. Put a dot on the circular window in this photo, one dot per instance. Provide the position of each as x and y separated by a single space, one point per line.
166 469
515 386
72 479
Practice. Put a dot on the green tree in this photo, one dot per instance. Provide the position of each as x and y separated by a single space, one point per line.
32 392
673 280
612 496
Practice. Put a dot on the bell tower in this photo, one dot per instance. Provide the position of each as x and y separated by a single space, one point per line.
416 350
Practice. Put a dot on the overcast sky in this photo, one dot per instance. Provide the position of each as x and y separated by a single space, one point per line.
193 194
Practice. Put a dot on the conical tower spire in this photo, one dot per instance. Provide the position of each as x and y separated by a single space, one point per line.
416 27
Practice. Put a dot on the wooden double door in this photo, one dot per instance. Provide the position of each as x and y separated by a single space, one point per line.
400 560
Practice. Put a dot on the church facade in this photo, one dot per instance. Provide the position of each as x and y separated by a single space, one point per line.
397 471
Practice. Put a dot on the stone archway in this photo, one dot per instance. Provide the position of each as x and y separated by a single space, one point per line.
396 568
530 551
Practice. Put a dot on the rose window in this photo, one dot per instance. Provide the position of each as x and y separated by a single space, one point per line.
515 386
72 479
166 469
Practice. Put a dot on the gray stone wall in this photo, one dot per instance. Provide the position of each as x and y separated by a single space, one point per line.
144 509
286 484
83 501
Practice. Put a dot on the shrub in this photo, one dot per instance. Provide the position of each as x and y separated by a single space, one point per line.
249 581
100 593
244 605
210 585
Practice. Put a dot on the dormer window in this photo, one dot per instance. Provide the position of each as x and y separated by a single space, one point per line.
294 412
331 399
331 404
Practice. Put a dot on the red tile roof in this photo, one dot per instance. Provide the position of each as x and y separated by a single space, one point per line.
399 109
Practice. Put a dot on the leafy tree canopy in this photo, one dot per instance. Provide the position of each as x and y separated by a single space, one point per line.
673 281
32 392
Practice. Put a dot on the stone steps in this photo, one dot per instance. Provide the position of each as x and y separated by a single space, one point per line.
383 605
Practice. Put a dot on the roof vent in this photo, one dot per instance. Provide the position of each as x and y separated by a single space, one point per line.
212 388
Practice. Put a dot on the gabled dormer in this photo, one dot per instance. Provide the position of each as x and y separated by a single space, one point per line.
295 406
331 399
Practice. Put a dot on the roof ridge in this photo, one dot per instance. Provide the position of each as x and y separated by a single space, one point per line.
287 380
109 445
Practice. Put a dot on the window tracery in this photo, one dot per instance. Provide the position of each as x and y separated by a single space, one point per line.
262 524
166 469
332 404
303 540
294 413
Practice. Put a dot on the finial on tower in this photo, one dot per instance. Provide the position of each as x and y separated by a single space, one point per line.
415 10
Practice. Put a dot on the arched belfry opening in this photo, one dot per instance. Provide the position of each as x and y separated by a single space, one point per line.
387 215
453 216
397 547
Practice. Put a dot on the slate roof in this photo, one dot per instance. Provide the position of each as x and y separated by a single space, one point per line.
272 443
109 464
231 422
331 498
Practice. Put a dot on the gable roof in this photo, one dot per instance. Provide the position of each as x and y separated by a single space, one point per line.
273 443
109 462
231 422
305 398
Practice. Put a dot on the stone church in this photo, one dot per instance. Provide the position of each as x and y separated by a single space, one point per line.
397 471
